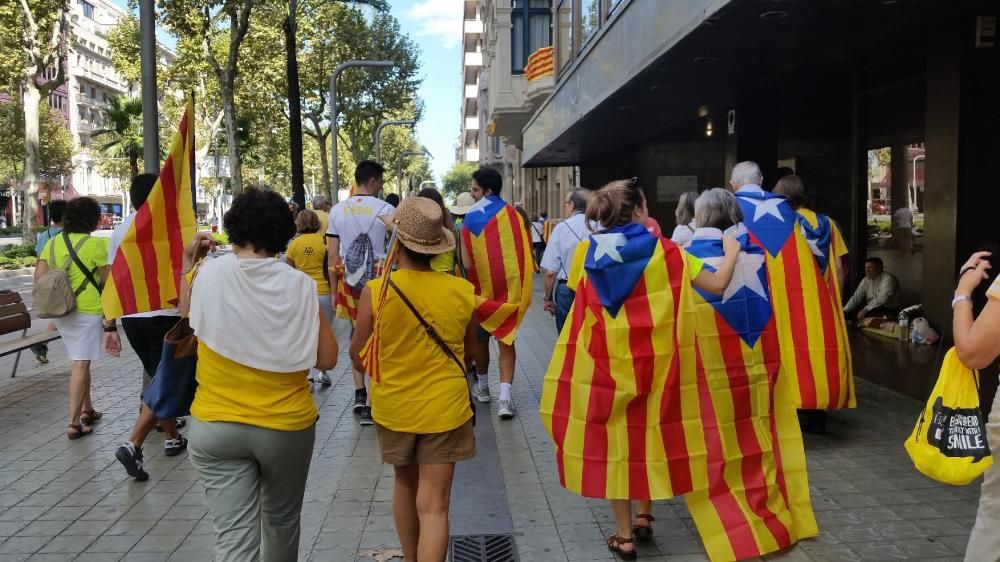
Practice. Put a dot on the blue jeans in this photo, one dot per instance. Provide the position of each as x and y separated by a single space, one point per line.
564 301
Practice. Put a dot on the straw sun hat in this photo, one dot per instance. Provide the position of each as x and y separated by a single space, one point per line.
419 226
463 203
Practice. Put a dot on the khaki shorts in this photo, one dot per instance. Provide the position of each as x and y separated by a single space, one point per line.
401 449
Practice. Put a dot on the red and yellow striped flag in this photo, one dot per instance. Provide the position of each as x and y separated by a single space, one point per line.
619 398
547 227
756 497
346 298
145 272
815 355
501 266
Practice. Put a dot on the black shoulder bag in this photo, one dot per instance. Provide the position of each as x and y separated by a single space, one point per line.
436 338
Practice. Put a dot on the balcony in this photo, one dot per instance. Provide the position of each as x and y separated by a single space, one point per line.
540 75
471 91
473 59
473 27
472 155
471 123
517 96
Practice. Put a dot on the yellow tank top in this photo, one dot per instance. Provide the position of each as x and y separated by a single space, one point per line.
421 389
231 392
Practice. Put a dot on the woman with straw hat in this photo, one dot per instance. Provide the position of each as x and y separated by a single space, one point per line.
411 336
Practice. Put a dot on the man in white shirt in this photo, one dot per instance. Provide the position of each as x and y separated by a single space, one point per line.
902 230
145 332
351 219
558 256
877 294
537 227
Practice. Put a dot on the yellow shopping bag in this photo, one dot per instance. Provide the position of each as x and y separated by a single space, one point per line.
949 442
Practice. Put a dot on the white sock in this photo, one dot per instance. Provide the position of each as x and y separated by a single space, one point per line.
484 384
504 391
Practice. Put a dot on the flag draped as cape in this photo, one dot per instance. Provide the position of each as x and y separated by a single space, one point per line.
616 400
756 500
501 267
815 357
145 271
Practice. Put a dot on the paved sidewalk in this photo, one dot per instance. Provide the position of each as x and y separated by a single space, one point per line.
69 500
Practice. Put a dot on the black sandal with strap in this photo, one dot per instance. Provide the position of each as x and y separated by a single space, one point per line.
644 532
615 544
88 417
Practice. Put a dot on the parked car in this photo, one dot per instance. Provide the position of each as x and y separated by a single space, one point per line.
880 207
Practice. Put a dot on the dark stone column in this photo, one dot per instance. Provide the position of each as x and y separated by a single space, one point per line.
755 137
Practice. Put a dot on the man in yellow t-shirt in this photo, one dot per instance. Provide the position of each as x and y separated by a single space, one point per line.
322 208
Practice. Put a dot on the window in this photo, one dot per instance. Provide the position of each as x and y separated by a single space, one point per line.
590 19
88 9
531 30
564 32
613 5
93 92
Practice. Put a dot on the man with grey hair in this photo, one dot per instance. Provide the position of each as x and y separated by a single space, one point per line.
746 175
558 256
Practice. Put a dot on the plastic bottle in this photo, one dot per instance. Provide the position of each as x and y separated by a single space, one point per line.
904 327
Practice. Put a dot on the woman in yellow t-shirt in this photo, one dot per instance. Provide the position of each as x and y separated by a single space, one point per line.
307 253
420 398
82 330
253 421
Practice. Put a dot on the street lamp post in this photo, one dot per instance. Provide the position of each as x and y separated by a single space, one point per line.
399 164
335 110
378 134
147 57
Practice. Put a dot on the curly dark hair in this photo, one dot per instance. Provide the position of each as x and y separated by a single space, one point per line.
82 215
259 218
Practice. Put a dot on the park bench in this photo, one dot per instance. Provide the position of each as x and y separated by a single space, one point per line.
15 316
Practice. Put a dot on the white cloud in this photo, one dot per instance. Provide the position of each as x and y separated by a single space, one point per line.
439 18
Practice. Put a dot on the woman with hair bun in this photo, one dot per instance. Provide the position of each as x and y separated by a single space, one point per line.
613 400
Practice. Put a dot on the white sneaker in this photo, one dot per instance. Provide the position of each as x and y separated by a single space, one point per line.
481 394
323 379
506 410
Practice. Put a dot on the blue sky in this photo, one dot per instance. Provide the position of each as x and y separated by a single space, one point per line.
436 27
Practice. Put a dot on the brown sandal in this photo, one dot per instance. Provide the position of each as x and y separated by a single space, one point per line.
644 532
615 544
77 430
88 417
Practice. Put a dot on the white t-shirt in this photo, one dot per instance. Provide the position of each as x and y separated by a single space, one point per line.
357 216
116 240
683 234
903 217
536 231
565 237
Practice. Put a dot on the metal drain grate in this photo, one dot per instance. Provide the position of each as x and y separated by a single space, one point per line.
483 548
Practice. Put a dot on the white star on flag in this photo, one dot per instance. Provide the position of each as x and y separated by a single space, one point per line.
766 207
746 274
608 244
813 243
480 206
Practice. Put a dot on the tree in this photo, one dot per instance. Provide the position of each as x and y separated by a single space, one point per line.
123 40
123 139
34 49
207 21
56 148
458 179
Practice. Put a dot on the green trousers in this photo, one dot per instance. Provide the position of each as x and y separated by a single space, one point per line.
254 480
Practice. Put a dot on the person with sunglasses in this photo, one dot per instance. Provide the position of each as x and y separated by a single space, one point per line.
558 256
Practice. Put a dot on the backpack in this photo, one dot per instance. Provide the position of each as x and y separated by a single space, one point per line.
359 259
54 296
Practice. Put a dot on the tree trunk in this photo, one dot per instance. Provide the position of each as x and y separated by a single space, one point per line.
133 165
232 137
324 164
294 109
32 100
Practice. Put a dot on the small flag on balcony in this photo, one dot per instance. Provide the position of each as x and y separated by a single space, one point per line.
145 272
541 63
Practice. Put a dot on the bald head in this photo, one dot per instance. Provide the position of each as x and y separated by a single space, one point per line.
745 173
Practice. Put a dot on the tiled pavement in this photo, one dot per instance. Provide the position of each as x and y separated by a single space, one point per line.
62 500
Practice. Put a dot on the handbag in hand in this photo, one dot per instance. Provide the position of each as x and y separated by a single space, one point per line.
171 392
436 338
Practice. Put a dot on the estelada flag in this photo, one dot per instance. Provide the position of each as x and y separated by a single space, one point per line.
501 267
146 270
751 504
346 302
619 398
815 358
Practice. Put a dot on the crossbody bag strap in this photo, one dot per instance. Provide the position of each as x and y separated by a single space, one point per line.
431 332
79 263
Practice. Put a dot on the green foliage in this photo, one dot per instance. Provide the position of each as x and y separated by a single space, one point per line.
221 238
122 139
15 43
123 40
56 148
458 179
17 263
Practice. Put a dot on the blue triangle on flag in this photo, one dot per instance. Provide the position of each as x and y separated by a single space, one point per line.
616 260
768 217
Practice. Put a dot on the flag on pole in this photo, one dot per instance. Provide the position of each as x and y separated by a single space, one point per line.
815 357
744 511
619 398
146 270
498 243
